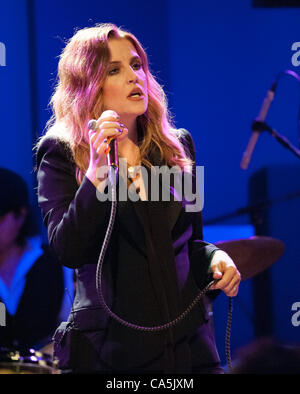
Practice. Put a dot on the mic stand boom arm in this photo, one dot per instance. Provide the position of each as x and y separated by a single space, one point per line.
262 126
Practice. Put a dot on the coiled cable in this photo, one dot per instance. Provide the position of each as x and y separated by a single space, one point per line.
132 325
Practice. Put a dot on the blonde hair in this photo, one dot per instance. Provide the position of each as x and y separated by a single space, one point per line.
82 69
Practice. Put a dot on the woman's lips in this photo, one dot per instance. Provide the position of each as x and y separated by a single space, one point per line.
136 97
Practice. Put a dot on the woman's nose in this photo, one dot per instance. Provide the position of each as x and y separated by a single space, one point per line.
132 77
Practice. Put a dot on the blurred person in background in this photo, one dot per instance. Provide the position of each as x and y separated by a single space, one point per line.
31 281
267 356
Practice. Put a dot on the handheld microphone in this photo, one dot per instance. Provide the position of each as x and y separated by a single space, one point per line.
112 151
255 131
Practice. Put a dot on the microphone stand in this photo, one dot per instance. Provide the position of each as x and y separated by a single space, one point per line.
251 209
262 126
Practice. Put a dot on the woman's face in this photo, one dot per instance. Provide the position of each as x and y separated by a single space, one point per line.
125 87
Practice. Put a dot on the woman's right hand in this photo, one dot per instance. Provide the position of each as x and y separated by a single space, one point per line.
108 125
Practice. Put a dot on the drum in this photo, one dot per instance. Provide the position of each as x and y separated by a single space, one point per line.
26 362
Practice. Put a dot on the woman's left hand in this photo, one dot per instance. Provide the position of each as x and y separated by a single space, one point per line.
224 269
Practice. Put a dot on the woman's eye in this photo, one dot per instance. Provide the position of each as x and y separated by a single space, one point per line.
113 71
137 66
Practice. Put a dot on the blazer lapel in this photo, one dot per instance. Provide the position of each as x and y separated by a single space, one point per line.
134 213
168 210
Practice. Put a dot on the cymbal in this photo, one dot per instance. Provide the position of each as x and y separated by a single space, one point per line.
253 255
48 349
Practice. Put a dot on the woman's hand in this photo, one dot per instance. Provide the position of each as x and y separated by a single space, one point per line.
108 125
224 269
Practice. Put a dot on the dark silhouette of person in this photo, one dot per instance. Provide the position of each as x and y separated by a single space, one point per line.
31 279
267 356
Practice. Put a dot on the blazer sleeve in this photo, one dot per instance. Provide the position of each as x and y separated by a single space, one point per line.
200 252
75 219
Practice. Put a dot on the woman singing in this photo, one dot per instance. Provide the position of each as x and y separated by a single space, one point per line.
148 278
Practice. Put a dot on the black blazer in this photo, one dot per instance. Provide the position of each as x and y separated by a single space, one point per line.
148 277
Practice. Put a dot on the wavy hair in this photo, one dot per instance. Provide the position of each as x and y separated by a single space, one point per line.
78 97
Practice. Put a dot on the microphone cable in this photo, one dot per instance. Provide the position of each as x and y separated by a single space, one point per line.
113 176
